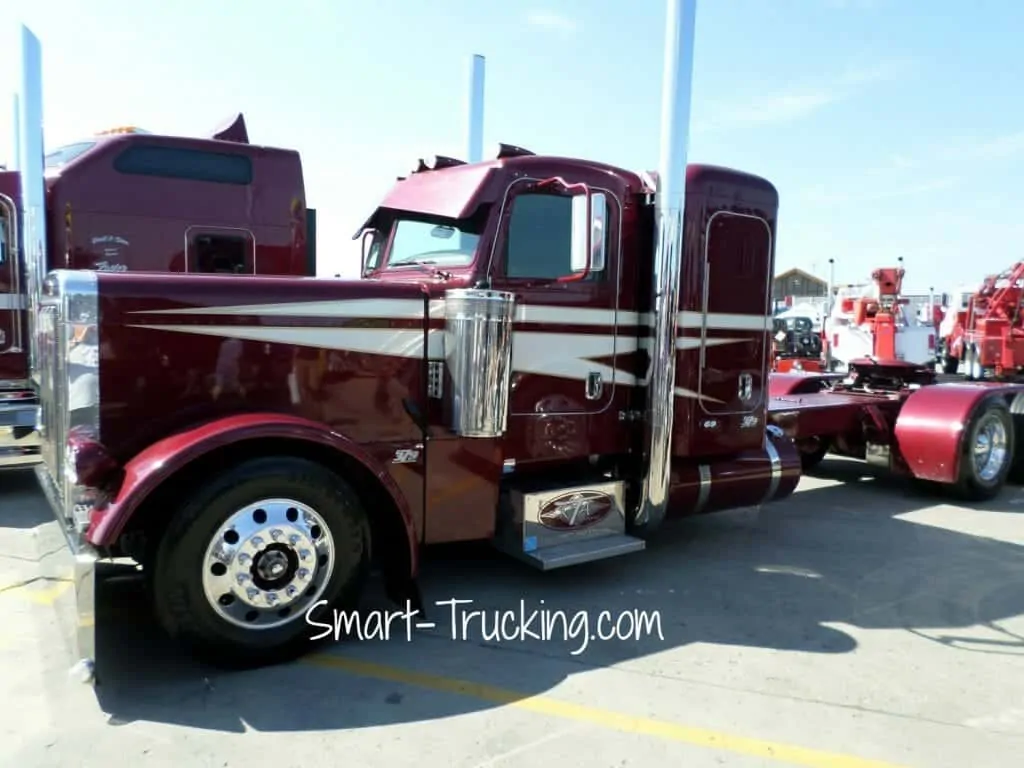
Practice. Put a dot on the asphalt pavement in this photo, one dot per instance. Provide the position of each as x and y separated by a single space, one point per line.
859 624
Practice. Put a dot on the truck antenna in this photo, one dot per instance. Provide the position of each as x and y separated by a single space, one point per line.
670 207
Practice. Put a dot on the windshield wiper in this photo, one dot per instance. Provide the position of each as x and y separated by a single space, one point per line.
423 263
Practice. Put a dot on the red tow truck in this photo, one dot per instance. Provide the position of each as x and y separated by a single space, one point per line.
554 354
988 336
125 200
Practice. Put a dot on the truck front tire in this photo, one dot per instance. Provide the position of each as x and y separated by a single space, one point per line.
255 555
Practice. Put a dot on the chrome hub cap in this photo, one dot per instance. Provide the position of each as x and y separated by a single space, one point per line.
989 448
268 563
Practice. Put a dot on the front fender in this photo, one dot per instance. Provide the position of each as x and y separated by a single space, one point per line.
931 422
147 470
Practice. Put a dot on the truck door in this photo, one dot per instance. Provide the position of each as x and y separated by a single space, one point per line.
223 250
11 299
737 303
566 337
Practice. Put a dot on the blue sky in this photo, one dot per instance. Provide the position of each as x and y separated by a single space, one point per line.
890 127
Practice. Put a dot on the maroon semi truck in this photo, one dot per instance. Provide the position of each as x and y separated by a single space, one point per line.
553 354
128 201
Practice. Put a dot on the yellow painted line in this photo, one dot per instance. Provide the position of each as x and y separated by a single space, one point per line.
50 595
32 592
700 737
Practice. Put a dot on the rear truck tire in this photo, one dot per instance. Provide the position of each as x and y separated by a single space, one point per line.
972 366
249 555
986 451
812 452
950 365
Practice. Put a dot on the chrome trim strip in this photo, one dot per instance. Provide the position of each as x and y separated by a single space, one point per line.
704 493
776 462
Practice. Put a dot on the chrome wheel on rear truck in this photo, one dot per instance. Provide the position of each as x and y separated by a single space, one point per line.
268 563
986 450
990 452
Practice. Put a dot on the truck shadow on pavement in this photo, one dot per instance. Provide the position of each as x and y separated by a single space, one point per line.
779 578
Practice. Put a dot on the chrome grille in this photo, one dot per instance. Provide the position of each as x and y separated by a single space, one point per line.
67 371
53 428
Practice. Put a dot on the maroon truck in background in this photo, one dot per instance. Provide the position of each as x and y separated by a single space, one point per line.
130 201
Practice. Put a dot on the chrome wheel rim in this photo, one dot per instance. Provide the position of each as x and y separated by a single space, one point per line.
989 450
268 563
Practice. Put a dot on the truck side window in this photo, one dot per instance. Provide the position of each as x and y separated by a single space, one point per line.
193 164
223 254
540 236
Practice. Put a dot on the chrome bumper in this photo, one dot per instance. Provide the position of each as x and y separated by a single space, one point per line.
76 609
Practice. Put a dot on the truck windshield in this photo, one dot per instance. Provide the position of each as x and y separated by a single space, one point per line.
64 155
421 242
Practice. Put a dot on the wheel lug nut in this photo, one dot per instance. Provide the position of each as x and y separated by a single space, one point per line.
293 539
243 559
276 534
303 554
257 541
242 578
271 598
290 591
252 593
303 573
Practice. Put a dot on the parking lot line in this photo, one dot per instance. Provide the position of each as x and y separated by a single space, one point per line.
31 591
700 737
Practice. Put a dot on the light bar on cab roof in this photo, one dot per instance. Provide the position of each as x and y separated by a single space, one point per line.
122 129
436 162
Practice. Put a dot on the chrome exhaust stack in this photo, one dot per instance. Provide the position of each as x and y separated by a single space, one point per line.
14 154
29 139
475 110
474 119
670 207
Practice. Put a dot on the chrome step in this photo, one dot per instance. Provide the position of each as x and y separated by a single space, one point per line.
551 526
585 551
